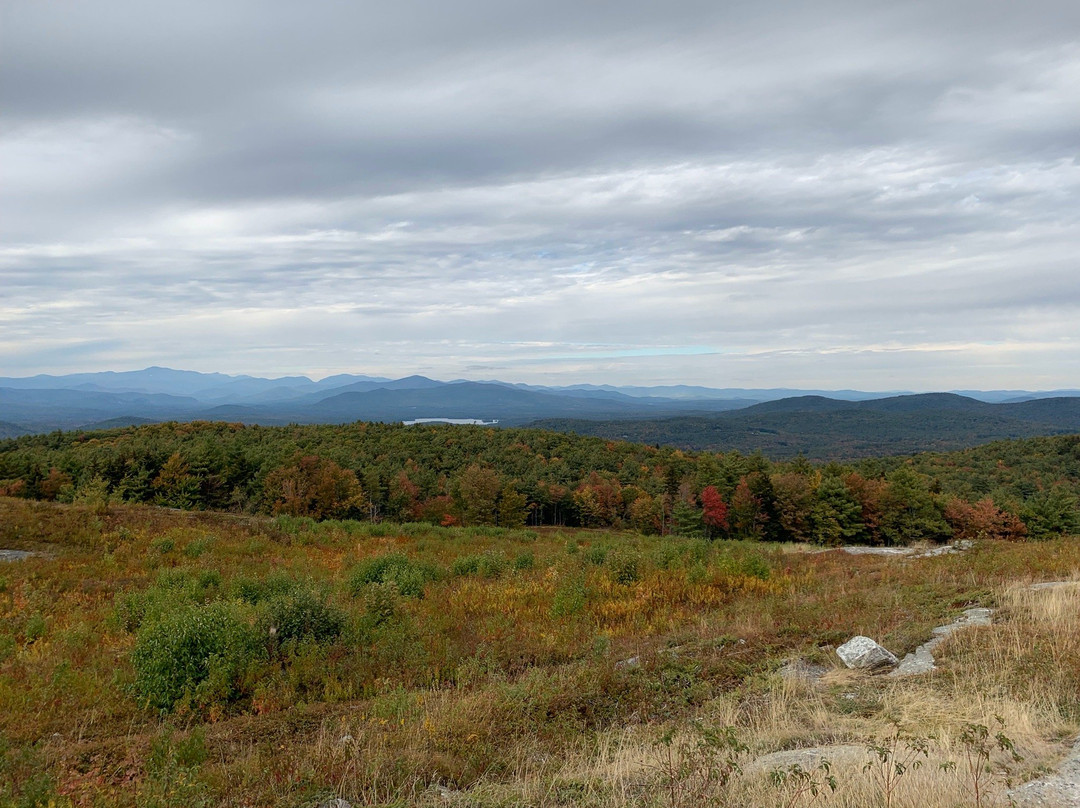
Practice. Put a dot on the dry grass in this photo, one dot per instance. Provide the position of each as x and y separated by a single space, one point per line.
517 689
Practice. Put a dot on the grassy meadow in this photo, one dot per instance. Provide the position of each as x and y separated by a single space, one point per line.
155 657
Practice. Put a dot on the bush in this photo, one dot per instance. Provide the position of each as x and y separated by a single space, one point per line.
487 565
623 564
410 576
257 590
570 597
174 589
301 613
195 655
596 555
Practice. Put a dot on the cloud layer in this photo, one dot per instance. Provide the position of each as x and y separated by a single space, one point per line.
827 194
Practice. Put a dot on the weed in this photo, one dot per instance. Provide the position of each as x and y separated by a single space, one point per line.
624 564
173 769
570 597
798 786
891 758
695 766
976 774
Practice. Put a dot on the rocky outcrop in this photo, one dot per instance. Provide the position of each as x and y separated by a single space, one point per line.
1058 790
922 659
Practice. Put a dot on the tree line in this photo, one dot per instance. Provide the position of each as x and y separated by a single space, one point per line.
468 475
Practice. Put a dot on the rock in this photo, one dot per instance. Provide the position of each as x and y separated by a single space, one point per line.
1052 585
15 555
336 802
1059 789
865 654
632 662
808 758
885 551
922 660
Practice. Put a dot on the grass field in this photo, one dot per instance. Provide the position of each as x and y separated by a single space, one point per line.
154 657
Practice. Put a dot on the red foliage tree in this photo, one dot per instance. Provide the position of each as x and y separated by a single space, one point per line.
714 510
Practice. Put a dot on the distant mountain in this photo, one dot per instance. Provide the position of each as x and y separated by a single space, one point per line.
825 429
12 430
780 422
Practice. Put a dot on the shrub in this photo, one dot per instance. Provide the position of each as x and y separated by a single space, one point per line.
381 602
410 576
198 547
257 590
195 654
301 613
596 555
570 597
174 589
163 545
487 565
623 566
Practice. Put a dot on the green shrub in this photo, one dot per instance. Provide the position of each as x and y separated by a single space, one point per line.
172 771
198 547
465 565
410 576
487 565
257 590
381 602
35 628
596 554
163 545
195 654
570 597
524 561
301 613
174 588
623 564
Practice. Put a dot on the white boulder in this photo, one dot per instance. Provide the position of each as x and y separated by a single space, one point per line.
865 654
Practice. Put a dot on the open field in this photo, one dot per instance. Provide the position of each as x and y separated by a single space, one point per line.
156 657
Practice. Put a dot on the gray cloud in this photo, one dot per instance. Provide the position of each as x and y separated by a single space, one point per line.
839 194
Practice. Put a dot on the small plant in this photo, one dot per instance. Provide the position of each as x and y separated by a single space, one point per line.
977 775
695 766
381 602
798 786
163 545
486 565
596 555
893 757
173 772
199 547
570 597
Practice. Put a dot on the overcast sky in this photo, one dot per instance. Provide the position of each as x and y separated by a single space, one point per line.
876 195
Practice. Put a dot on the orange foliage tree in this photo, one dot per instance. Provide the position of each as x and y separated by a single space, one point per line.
316 487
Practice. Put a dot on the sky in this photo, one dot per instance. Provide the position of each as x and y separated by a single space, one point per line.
826 194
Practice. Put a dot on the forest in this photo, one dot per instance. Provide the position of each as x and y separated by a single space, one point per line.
474 476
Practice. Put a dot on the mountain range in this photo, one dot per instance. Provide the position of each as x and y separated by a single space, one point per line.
778 421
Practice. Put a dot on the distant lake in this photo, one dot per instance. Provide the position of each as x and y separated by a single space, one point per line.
473 421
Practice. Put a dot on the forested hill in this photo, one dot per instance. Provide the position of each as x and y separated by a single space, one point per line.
828 429
477 475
